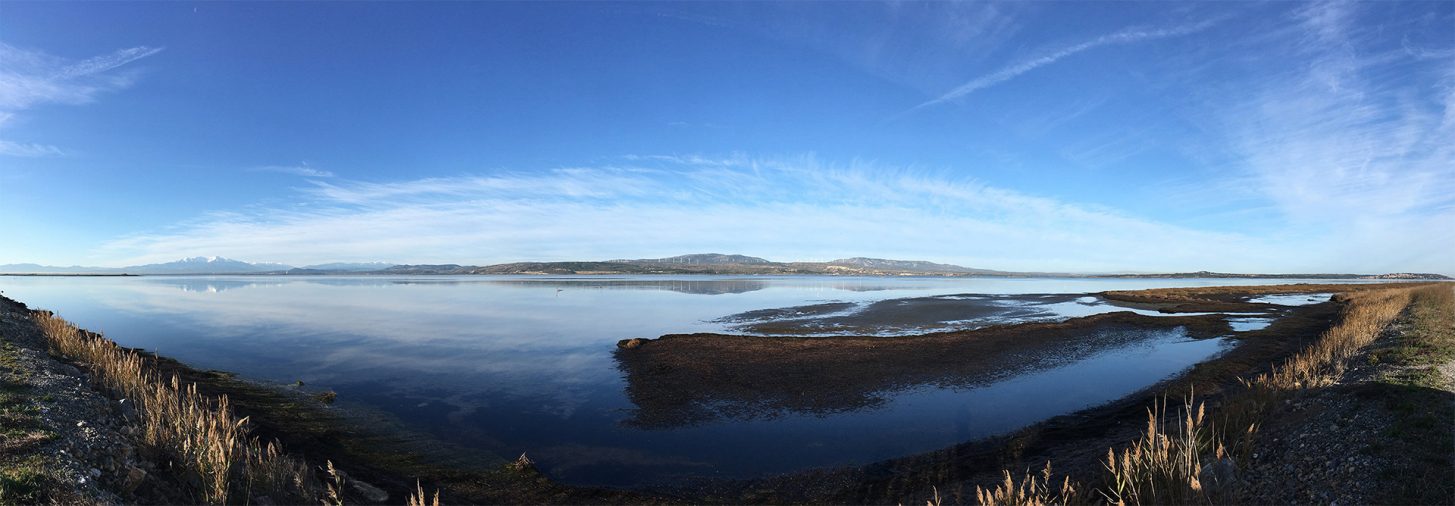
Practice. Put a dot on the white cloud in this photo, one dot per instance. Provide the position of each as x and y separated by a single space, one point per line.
302 169
1355 144
29 78
790 209
1009 72
9 148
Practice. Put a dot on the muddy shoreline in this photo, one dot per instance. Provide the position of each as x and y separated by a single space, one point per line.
686 379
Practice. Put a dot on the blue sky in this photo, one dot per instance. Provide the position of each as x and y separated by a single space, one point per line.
1081 136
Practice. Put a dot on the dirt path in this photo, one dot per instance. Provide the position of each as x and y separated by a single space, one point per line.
1383 434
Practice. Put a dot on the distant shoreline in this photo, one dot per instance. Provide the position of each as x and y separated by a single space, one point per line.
1210 276
85 274
693 264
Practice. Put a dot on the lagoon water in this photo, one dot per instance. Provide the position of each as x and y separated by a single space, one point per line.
504 365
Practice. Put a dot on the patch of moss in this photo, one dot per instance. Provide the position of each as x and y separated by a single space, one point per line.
23 483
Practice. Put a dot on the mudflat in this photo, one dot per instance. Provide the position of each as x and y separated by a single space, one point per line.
685 379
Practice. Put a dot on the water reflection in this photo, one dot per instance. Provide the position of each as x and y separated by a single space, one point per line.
511 364
694 380
1293 299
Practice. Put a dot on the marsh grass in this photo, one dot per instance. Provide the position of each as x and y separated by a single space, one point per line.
1186 465
206 441
1195 463
1031 490
1321 364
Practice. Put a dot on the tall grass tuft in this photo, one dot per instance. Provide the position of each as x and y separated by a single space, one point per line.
202 435
1167 467
1030 491
417 498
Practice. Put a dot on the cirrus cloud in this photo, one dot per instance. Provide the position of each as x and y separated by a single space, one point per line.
793 208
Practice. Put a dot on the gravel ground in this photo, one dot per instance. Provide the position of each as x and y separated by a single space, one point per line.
1345 444
94 454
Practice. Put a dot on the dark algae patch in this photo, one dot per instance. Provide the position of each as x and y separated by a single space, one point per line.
687 379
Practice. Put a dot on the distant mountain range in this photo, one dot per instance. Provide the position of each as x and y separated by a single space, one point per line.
699 259
702 263
206 265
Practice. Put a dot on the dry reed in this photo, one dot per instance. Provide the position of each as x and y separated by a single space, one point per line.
205 439
334 494
1165 467
1030 491
1367 314
417 498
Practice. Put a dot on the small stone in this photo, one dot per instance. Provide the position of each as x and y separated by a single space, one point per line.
370 492
627 344
95 473
134 477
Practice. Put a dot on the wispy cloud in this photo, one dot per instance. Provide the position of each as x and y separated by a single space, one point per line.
29 78
27 150
1009 72
302 169
1355 143
787 208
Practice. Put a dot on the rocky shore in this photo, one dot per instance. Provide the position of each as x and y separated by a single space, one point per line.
76 445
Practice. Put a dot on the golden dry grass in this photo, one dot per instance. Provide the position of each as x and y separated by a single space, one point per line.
1168 467
1163 467
1367 314
417 498
200 433
1031 490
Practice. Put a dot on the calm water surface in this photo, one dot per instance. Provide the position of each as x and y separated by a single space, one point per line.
504 365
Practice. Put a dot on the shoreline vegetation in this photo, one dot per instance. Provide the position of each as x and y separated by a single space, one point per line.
1185 457
1365 378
